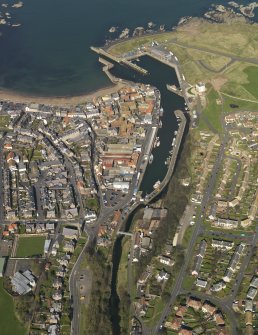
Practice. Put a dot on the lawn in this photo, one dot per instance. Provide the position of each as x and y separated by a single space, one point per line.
8 320
30 246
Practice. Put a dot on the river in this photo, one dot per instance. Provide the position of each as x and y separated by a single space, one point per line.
159 76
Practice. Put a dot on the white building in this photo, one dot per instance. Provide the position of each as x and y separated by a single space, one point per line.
121 185
200 87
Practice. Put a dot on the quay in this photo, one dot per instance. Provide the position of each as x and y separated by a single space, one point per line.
173 159
119 60
106 63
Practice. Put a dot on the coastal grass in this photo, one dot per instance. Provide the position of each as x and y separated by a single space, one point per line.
236 38
212 112
8 319
30 246
204 50
240 105
252 86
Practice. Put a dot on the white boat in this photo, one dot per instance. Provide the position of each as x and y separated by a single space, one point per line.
174 140
151 159
160 124
156 185
156 142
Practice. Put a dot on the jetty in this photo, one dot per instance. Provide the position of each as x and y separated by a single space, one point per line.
120 60
174 89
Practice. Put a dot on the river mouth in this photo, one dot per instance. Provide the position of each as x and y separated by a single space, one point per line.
159 76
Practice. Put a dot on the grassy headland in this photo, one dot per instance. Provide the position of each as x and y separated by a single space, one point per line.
226 55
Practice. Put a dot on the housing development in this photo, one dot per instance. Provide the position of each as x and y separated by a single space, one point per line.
90 244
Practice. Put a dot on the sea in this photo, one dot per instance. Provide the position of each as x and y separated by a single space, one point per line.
49 54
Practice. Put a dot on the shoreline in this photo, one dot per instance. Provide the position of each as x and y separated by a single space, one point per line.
19 97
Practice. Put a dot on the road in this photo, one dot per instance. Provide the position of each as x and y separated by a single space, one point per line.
1 181
197 231
218 53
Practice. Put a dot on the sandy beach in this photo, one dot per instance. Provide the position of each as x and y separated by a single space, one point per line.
58 101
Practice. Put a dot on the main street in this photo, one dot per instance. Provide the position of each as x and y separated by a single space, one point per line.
105 214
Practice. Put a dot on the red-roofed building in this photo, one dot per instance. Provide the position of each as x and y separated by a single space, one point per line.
10 156
195 304
8 146
12 228
218 318
181 311
174 325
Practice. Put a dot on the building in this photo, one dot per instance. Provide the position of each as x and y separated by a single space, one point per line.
121 186
166 260
199 258
201 283
218 286
200 88
249 305
46 246
22 283
208 308
162 275
194 303
254 282
70 232
251 293
222 245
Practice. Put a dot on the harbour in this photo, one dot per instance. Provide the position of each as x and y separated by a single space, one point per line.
157 174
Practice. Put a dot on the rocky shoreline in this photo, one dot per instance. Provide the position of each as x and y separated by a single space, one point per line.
216 13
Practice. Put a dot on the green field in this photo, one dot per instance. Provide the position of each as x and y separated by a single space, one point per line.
212 112
8 320
30 246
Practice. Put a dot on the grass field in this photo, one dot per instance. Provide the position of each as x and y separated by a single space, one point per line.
30 246
212 112
242 105
8 320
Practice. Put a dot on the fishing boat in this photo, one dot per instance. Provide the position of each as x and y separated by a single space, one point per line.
157 142
156 185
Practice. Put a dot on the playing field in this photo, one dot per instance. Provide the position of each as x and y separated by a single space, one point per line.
8 320
30 246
